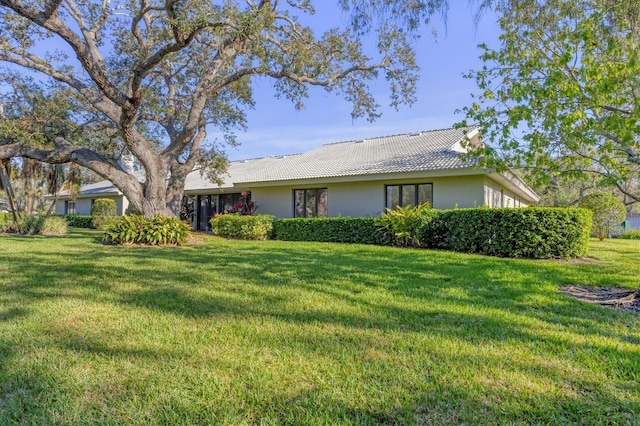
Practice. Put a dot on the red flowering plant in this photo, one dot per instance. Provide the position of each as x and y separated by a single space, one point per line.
245 206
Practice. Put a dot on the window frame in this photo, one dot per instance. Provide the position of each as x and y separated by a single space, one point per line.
305 201
401 195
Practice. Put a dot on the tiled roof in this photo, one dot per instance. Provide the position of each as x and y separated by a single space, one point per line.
410 152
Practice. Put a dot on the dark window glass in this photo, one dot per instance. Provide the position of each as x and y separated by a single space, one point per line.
424 194
408 195
322 202
69 207
310 202
299 202
393 196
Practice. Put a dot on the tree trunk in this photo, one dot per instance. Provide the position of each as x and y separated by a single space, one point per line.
8 189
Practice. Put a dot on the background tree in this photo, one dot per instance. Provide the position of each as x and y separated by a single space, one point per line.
559 97
608 212
151 77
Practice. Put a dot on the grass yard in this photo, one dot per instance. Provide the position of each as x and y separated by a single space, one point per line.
232 332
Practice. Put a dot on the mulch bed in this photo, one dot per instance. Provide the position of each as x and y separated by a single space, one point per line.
618 298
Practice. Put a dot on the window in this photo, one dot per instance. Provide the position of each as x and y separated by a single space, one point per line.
310 202
408 195
69 207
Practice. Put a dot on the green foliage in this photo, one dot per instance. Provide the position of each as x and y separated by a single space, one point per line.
559 95
608 212
53 225
155 230
27 225
31 225
631 234
4 218
79 221
102 211
402 223
533 232
242 227
194 62
358 230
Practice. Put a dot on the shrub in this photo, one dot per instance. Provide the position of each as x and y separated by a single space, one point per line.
402 224
608 212
79 221
4 218
155 230
242 227
533 232
28 225
53 225
102 211
362 230
631 234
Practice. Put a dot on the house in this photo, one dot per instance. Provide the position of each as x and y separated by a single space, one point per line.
352 178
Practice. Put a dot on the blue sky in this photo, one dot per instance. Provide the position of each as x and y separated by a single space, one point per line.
275 127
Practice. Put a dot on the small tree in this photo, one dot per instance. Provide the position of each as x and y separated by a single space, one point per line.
608 212
103 210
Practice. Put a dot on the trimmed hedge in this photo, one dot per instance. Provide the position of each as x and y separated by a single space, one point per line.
242 227
79 221
102 211
361 230
532 232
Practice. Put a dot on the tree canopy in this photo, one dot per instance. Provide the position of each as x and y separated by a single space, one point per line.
559 96
148 78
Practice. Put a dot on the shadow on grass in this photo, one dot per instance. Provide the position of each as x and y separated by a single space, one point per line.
473 299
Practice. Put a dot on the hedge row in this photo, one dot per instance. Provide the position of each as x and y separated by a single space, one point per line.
533 232
79 221
363 230
242 227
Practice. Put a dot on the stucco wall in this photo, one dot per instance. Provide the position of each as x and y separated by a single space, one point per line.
367 198
83 205
498 196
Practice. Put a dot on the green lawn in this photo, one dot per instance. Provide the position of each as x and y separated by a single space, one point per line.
232 332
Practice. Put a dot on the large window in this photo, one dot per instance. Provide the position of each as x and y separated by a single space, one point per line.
408 195
310 202
69 207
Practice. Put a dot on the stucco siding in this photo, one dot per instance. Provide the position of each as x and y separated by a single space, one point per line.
460 191
368 198
498 196
83 205
277 201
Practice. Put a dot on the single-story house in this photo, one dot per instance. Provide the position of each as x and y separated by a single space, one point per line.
352 178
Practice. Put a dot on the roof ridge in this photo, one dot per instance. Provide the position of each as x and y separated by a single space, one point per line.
418 132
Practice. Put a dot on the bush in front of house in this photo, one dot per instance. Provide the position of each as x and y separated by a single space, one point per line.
53 225
402 223
32 225
532 232
360 230
4 218
242 227
631 234
608 211
79 221
154 230
102 211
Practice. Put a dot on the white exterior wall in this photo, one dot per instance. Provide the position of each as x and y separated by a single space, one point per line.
496 195
83 205
368 198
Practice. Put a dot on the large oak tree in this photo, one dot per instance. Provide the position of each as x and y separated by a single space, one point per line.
149 78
